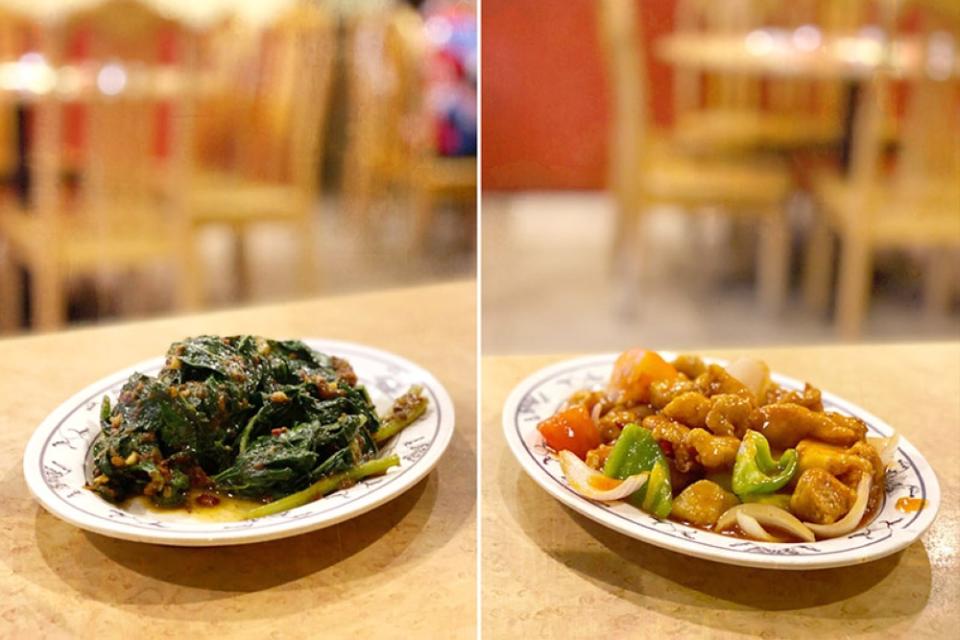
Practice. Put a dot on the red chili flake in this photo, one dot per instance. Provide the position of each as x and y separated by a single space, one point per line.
276 432
666 447
207 500
199 478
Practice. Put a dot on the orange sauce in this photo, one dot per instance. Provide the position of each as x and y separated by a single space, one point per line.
602 483
910 505
227 509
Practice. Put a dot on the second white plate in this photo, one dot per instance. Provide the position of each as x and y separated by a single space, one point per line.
541 394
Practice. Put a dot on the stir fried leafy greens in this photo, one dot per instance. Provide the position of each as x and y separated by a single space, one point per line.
253 417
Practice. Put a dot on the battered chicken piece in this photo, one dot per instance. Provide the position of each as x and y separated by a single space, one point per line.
702 503
821 498
587 399
664 429
865 451
612 422
715 380
690 408
729 414
663 391
835 460
847 465
715 453
784 425
596 458
689 365
809 397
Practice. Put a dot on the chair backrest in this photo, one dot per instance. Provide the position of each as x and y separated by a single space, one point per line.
297 101
928 163
626 75
281 93
13 36
225 50
405 48
926 168
135 119
369 83
385 84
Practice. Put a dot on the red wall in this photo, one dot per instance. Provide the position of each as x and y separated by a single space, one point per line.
544 94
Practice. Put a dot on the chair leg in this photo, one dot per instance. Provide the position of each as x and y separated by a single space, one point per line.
853 290
624 225
938 285
240 268
423 210
188 274
817 268
309 269
358 188
11 293
49 303
773 261
632 262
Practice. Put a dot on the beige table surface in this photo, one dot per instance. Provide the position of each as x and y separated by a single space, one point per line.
404 570
550 573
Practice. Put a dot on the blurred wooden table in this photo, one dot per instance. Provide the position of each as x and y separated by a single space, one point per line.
810 55
550 573
406 569
29 79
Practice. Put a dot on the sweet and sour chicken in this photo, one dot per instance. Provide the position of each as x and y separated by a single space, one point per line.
719 447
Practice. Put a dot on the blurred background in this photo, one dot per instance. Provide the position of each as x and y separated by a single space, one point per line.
158 156
687 173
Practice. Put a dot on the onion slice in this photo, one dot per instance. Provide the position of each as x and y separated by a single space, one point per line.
764 514
850 521
885 447
753 373
750 526
594 485
595 413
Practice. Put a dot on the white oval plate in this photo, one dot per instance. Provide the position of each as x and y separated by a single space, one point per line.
541 394
55 461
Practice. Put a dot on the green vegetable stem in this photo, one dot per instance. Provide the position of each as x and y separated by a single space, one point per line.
637 451
325 485
755 470
406 410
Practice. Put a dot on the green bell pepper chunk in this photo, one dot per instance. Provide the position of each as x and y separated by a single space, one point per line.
636 451
755 470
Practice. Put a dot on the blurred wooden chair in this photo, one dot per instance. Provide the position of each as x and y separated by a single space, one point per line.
391 142
370 87
650 167
910 204
12 35
430 177
227 49
13 31
125 212
280 102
